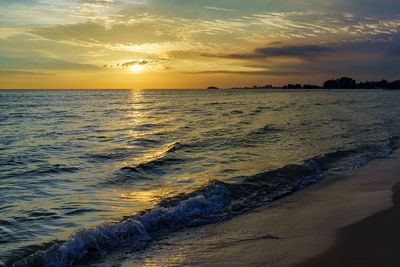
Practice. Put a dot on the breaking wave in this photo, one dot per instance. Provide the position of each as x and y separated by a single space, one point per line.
213 202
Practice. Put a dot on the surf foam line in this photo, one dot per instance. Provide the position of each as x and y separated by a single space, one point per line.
214 202
131 234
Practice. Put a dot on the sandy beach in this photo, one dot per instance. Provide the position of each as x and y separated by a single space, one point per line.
347 219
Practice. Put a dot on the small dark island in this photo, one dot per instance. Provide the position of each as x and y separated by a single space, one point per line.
211 87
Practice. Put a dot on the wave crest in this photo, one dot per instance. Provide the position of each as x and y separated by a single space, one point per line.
132 233
213 202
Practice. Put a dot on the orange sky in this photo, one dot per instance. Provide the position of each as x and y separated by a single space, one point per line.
194 44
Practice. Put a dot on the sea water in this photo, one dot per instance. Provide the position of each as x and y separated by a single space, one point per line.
84 173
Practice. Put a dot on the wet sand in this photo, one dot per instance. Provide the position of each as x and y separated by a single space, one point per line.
347 219
343 221
373 241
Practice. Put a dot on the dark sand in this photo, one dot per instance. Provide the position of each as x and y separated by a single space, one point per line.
373 241
347 219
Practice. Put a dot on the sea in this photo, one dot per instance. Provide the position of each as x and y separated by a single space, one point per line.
88 173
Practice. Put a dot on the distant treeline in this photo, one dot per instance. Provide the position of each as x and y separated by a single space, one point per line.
348 83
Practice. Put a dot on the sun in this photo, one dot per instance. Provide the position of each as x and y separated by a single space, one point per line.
138 67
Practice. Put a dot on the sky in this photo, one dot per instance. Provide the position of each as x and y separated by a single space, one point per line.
195 43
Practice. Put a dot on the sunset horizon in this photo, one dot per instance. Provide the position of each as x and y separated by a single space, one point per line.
287 155
154 44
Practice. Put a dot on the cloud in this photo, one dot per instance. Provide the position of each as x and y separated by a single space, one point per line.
219 8
222 33
28 61
367 7
148 64
135 62
303 36
22 73
98 2
131 32
37 12
299 51
253 73
129 63
367 59
362 69
362 7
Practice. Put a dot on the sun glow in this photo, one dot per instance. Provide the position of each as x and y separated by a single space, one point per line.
137 67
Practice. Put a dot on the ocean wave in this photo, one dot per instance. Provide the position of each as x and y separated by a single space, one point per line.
157 163
132 234
18 160
44 170
212 202
101 157
120 153
157 159
268 128
142 142
112 155
151 164
259 110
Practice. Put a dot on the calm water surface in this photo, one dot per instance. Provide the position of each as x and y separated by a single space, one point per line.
74 159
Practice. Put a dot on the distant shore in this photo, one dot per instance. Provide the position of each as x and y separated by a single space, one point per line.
340 83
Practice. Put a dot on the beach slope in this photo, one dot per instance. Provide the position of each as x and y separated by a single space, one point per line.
347 219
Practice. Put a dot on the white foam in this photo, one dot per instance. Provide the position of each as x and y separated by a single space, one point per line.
136 233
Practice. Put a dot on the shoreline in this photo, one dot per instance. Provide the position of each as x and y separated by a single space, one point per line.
306 228
372 241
